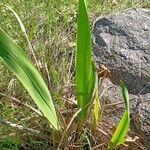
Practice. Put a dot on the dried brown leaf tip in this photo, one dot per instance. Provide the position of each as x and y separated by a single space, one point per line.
103 71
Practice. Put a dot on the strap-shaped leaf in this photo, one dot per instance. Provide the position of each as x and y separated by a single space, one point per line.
17 61
120 134
85 78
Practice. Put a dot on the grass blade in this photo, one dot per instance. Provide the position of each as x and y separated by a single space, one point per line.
24 32
85 78
17 61
120 134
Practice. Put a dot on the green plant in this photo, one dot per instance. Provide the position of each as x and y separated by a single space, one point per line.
86 79
85 69
120 134
13 56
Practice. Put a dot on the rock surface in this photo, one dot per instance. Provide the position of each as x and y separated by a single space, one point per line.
139 106
122 43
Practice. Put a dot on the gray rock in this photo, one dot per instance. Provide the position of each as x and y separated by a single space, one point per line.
122 43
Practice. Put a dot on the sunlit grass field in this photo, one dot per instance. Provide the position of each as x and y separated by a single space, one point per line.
51 28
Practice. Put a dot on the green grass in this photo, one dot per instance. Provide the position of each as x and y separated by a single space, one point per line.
51 28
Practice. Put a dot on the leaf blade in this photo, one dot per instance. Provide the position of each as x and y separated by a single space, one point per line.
119 136
84 70
17 61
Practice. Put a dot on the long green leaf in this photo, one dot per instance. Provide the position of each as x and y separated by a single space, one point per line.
17 61
85 78
120 134
24 32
